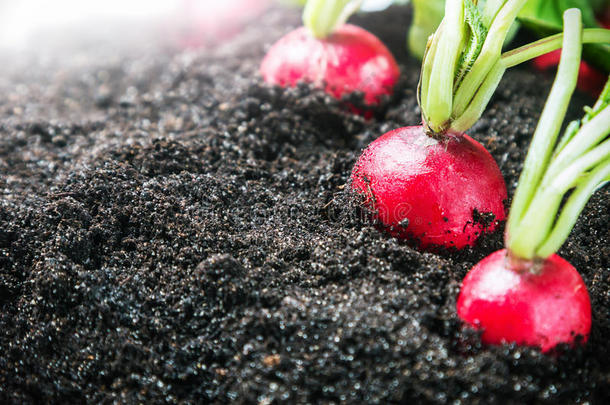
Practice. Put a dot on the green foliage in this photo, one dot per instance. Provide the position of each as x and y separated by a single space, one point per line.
575 167
544 17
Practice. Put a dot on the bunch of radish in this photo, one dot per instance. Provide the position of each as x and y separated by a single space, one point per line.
330 54
526 293
431 184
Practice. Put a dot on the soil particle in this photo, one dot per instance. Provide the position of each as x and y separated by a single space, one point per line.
174 230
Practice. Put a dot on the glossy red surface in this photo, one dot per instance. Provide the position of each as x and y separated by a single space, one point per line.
433 186
541 310
351 59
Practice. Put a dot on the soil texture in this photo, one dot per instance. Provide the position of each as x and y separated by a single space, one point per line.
173 230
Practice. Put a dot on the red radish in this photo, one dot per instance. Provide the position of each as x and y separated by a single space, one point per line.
429 191
541 309
432 185
526 293
348 60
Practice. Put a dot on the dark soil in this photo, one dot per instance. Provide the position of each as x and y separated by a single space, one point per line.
173 230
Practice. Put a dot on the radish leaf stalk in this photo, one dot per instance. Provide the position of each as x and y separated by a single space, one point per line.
552 169
322 17
526 293
491 10
479 35
544 17
479 38
478 32
583 164
440 88
489 55
549 44
550 122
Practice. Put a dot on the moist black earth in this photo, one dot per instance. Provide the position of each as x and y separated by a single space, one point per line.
174 230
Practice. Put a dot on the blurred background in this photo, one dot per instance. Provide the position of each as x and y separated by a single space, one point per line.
36 24
64 30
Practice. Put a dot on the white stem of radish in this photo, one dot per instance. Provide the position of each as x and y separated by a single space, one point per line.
439 96
589 135
481 99
571 175
490 54
549 44
424 81
572 209
491 10
322 17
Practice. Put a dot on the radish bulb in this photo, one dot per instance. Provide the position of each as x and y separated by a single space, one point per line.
340 58
348 60
541 308
425 190
526 293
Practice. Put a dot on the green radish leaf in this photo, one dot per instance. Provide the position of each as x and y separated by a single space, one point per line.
545 15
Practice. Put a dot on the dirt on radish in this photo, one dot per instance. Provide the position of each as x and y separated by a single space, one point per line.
173 229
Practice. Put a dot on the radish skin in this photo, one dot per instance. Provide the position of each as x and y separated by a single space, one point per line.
540 309
348 60
428 191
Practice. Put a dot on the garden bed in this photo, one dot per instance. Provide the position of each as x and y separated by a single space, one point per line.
173 229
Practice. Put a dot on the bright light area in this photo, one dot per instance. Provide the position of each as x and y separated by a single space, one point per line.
22 20
375 5
19 20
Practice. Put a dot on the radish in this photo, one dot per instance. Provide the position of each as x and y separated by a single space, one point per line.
432 185
544 308
341 58
526 293
425 189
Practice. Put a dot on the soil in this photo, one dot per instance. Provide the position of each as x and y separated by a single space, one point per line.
173 230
